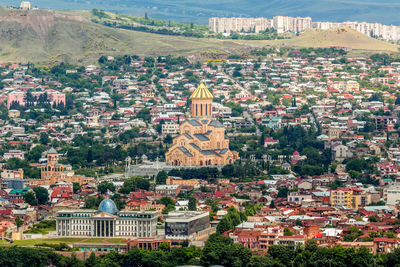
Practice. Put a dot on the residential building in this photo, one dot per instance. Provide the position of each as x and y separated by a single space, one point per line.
391 195
14 154
352 198
228 25
170 128
168 190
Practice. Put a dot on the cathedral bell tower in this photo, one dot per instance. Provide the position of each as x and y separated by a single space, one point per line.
201 103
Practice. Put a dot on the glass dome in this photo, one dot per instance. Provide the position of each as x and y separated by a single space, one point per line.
107 205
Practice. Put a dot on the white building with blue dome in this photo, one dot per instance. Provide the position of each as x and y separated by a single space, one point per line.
107 221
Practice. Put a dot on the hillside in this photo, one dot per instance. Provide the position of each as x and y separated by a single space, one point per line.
383 11
47 36
53 36
339 37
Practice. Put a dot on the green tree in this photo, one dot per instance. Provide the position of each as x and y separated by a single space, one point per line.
169 204
133 183
104 186
373 219
221 250
93 202
356 165
224 225
144 114
161 177
91 261
30 198
44 138
42 195
166 201
282 192
89 157
76 187
192 204
272 204
287 232
18 222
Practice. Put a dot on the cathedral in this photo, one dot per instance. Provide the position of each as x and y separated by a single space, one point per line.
202 139
53 172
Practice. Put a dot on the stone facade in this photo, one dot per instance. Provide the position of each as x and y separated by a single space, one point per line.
202 139
53 172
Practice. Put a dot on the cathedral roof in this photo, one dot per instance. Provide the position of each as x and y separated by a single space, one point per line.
201 137
52 151
205 152
201 93
223 151
216 123
184 150
194 122
188 135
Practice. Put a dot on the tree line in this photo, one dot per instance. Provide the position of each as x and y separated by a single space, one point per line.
218 250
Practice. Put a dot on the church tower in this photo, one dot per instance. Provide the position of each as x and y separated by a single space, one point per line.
52 156
202 140
201 103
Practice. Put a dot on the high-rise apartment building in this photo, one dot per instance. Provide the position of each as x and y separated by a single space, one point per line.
283 24
228 25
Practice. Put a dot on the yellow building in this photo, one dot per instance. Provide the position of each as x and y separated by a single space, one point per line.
53 172
352 86
202 139
352 198
180 181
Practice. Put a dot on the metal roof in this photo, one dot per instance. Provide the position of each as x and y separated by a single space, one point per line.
184 150
201 137
201 93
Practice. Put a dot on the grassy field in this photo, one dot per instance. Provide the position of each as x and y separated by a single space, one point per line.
33 242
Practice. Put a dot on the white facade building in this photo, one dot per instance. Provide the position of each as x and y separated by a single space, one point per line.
391 195
106 222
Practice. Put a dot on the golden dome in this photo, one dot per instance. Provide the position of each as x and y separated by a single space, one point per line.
201 93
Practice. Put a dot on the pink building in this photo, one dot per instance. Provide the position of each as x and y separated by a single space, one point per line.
15 97
53 96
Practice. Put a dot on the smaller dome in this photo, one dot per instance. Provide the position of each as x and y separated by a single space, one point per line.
107 205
